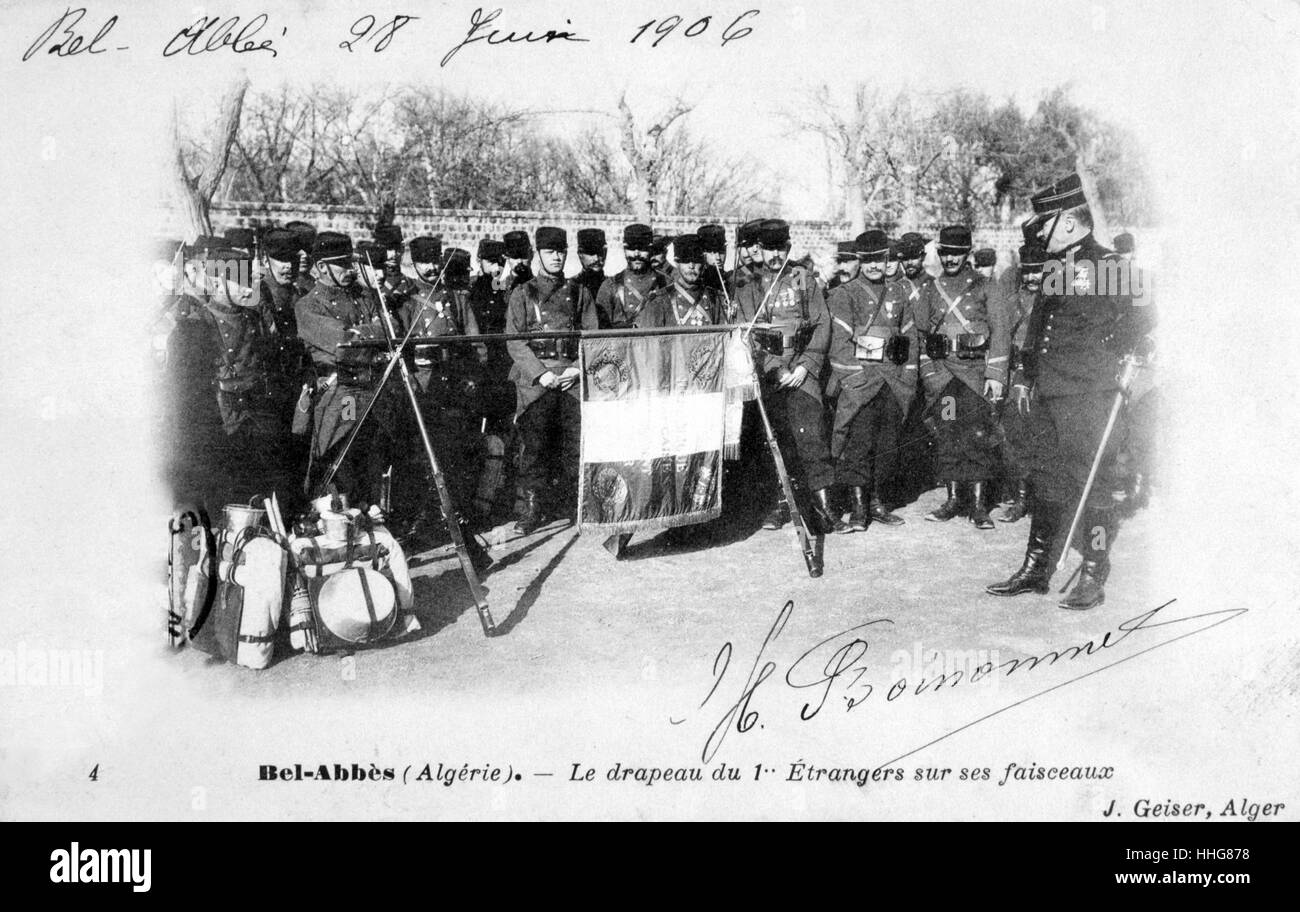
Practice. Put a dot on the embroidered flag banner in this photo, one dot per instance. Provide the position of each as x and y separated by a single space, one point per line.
653 411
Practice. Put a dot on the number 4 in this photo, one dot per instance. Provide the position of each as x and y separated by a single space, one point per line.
94 774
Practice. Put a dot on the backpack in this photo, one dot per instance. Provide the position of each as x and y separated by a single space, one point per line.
225 593
250 599
349 593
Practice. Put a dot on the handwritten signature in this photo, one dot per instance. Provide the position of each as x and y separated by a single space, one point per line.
479 21
217 33
839 662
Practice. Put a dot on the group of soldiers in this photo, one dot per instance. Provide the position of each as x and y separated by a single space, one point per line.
1012 382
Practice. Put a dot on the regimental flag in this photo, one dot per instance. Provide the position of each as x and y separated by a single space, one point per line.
652 431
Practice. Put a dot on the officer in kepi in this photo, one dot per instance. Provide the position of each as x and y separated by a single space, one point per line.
787 306
547 379
1072 377
964 367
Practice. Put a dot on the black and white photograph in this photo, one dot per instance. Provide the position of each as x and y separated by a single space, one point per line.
812 411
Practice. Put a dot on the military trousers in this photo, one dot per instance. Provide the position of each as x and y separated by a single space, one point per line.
550 426
1064 434
964 435
799 423
867 442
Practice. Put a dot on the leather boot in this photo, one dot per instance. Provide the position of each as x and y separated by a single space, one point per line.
1035 573
979 513
531 520
950 507
777 517
860 515
825 518
880 515
1019 506
1088 592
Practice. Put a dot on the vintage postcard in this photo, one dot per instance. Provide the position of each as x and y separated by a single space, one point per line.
786 411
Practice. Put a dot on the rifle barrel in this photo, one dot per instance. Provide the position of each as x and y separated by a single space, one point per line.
550 334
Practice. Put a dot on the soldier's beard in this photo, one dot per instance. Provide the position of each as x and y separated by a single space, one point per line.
638 264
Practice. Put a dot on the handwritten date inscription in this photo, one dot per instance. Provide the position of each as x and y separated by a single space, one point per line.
664 27
70 42
479 30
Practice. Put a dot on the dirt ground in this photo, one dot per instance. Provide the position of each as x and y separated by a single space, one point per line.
653 662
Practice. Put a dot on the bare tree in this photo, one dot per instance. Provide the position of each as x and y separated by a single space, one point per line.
200 166
645 153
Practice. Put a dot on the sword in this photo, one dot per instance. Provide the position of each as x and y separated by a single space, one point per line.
1128 372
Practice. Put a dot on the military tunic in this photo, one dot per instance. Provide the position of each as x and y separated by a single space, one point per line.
327 316
793 306
592 281
966 311
1075 338
623 296
874 390
547 303
681 305
489 299
1015 427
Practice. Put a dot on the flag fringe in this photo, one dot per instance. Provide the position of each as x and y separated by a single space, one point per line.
652 524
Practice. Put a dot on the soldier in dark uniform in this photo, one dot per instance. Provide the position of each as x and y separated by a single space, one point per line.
1021 308
892 266
964 367
986 260
243 240
688 301
397 285
546 376
519 256
489 298
789 304
873 359
337 310
659 245
911 257
458 263
914 474
190 346
1076 335
592 251
749 255
306 235
622 297
713 241
251 392
276 292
